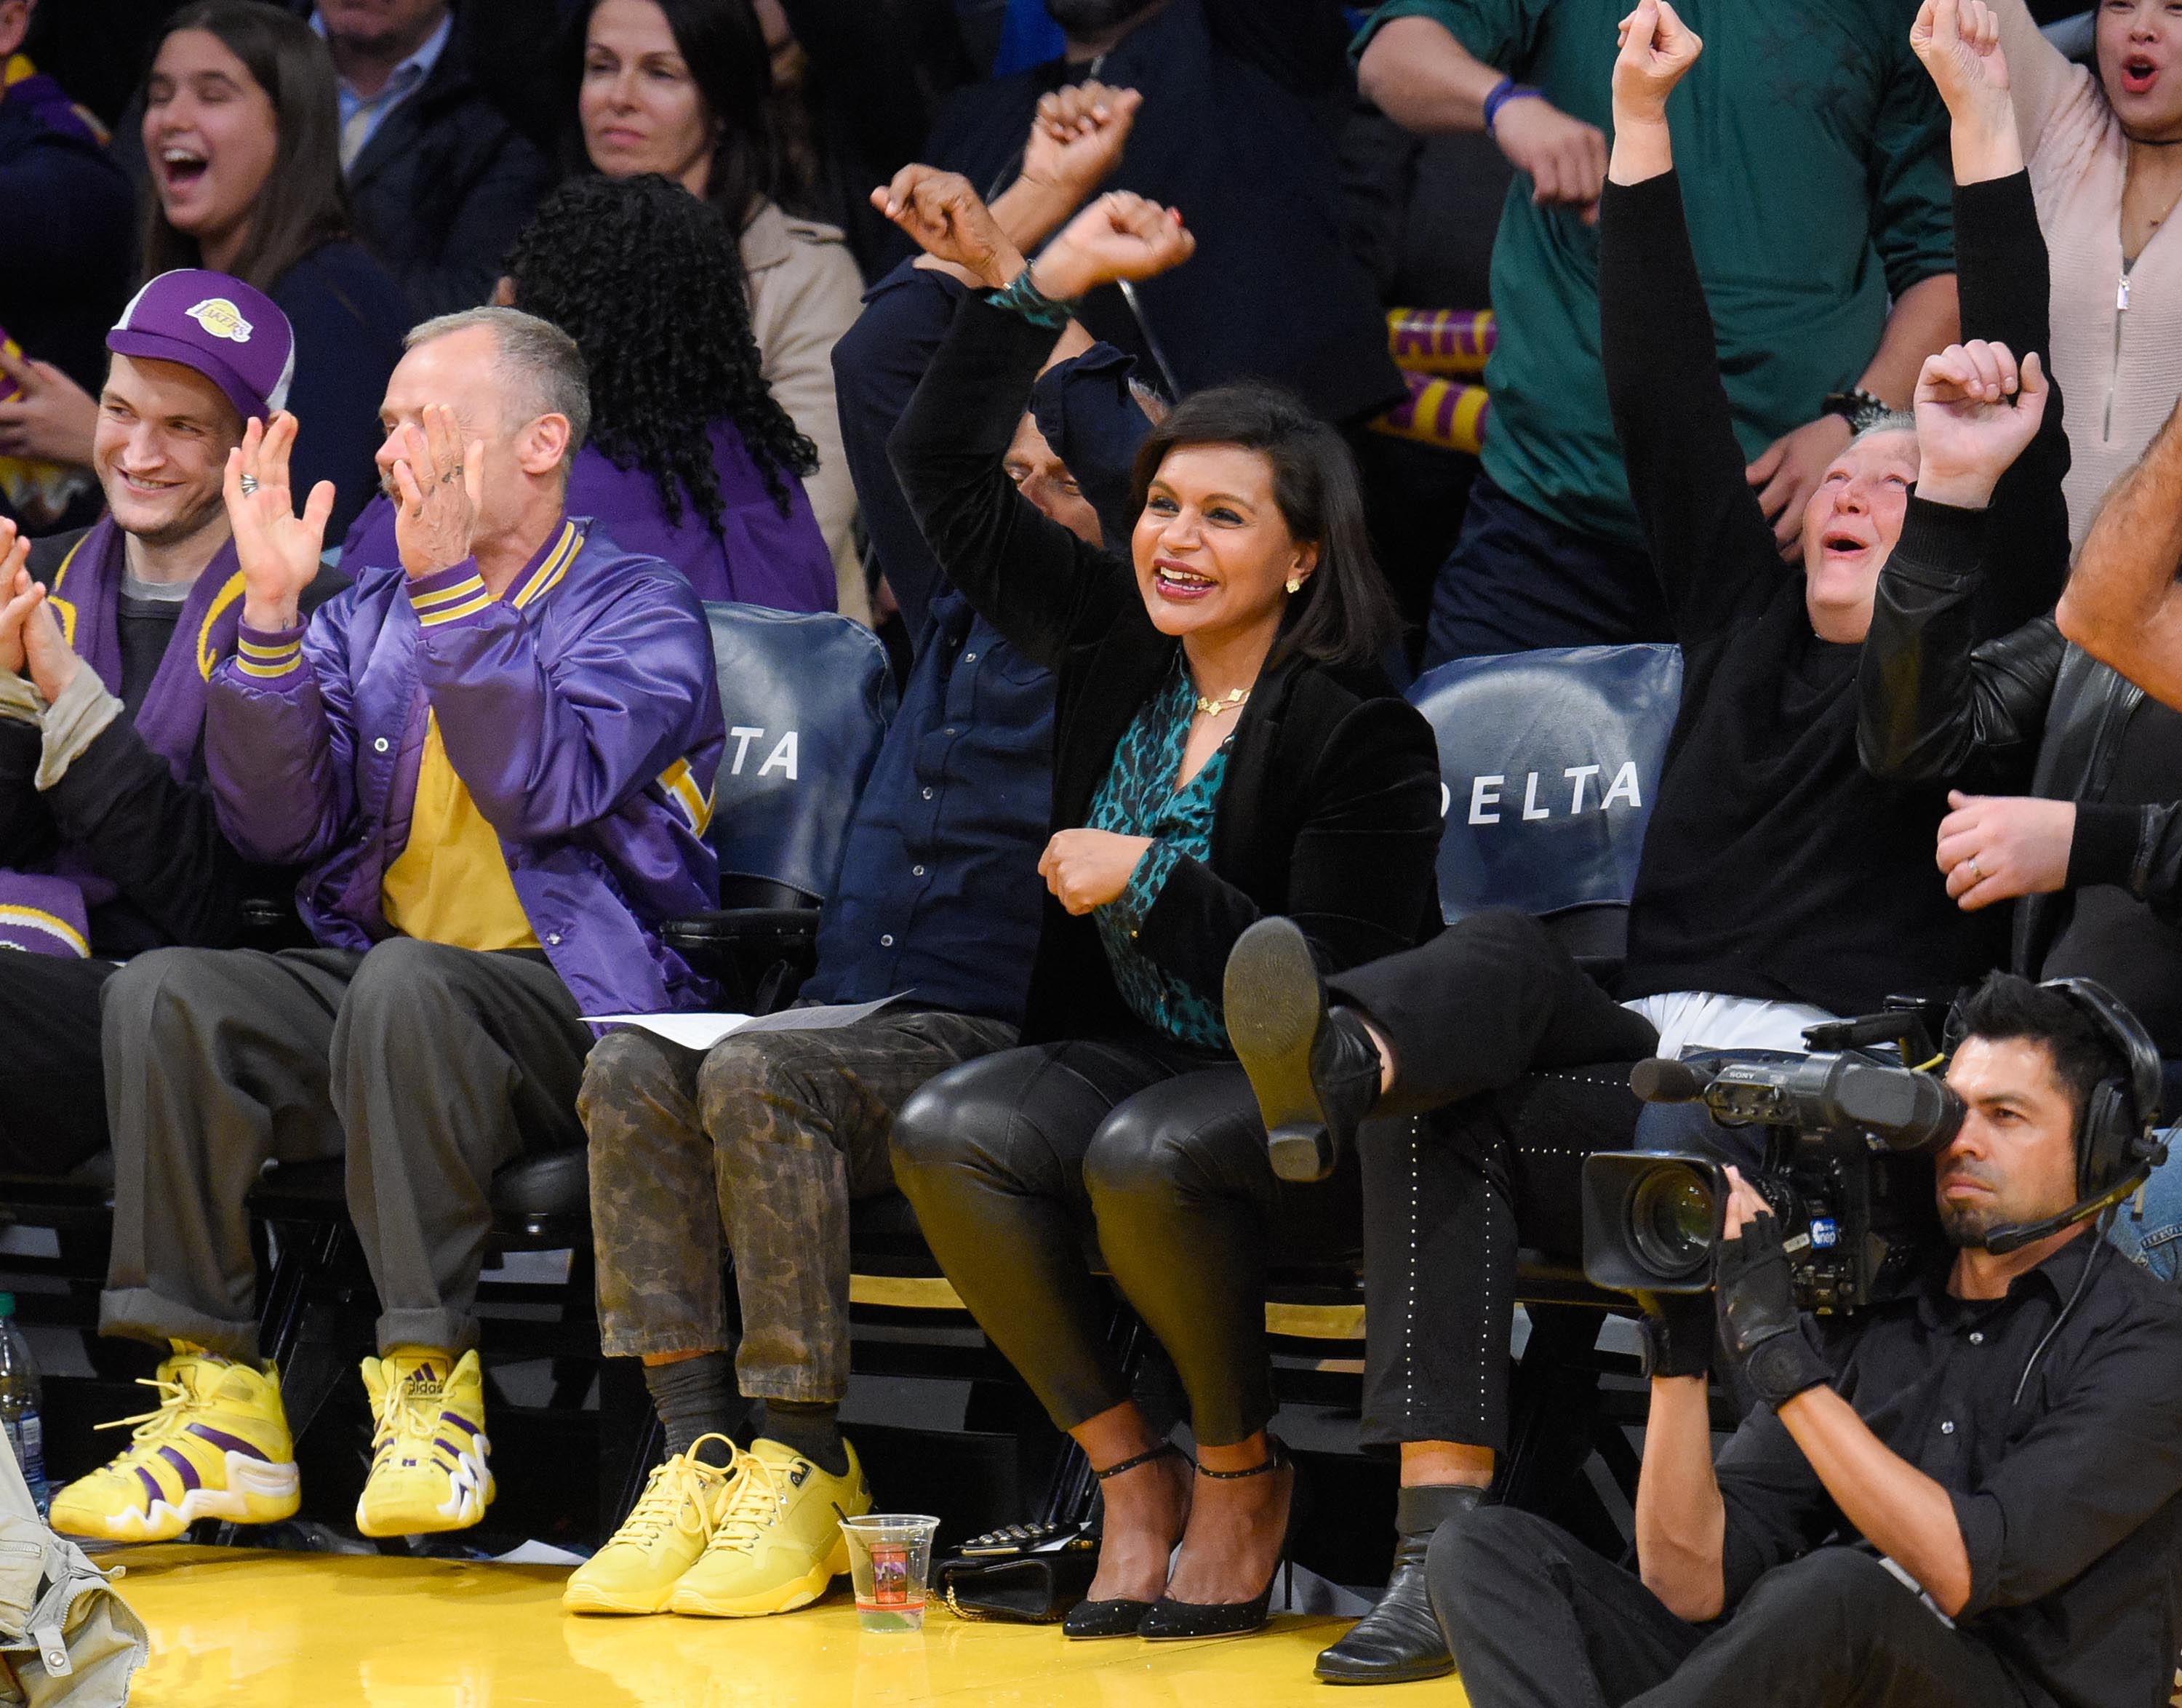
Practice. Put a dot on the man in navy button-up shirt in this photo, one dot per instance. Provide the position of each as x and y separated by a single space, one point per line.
938 897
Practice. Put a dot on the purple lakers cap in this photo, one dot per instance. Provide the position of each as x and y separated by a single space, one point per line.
233 333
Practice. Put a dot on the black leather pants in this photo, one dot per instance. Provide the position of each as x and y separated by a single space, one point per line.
1016 1163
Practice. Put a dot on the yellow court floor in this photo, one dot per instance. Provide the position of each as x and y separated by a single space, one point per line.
328 1631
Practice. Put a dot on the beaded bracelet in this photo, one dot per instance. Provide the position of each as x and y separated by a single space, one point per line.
1506 90
1021 296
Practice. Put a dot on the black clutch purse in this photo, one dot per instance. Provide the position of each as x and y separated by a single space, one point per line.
1026 1574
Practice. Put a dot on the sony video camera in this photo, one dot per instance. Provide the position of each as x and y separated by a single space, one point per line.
1849 1138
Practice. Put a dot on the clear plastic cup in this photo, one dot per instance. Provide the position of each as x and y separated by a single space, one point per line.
890 1563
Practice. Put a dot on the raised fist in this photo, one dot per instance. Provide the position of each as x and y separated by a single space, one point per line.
1076 139
1657 49
1959 42
950 223
1120 236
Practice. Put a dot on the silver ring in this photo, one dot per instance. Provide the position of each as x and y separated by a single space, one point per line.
249 485
1972 863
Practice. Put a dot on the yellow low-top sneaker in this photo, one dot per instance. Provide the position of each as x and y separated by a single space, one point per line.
217 1447
429 1451
778 1544
663 1536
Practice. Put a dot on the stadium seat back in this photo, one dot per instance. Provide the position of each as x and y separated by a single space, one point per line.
1548 763
806 698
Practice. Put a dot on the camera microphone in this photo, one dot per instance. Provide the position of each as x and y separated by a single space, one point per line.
1656 1079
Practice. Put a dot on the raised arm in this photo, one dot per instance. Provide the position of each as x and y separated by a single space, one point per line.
1035 581
1416 73
1709 541
2123 604
2042 75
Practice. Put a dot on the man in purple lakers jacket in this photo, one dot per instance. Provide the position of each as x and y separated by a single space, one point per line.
496 756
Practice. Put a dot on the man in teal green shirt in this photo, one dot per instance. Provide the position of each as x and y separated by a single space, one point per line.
1818 198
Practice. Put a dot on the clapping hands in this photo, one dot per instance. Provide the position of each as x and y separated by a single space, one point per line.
437 486
1977 408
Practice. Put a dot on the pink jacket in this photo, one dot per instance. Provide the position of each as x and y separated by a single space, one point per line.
2116 333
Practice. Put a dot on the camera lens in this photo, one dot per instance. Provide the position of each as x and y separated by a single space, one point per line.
1671 1217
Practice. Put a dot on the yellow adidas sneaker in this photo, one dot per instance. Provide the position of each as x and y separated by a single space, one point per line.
218 1447
429 1469
663 1538
778 1543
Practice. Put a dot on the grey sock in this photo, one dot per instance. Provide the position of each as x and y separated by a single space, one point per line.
694 1397
812 1429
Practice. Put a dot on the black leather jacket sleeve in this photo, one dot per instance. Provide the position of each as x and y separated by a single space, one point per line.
1933 704
2138 848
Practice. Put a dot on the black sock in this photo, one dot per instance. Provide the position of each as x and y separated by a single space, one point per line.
694 1397
812 1429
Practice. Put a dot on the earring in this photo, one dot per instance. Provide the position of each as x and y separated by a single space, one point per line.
1295 584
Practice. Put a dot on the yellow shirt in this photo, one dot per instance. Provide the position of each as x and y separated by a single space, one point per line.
450 884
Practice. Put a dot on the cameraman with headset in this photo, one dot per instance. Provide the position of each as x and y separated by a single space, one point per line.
1969 1497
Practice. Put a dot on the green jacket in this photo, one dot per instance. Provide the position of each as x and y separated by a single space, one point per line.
1811 146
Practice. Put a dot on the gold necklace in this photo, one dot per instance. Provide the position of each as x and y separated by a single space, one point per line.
1213 708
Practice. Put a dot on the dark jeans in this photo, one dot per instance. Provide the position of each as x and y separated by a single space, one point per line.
765 1140
1517 579
1511 1067
1536 1620
427 1067
1015 1162
52 1114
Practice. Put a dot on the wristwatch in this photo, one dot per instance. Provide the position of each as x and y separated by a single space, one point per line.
1858 407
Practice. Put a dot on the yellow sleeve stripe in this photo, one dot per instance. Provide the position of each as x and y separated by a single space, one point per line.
52 924
462 590
549 574
251 667
268 655
455 614
681 786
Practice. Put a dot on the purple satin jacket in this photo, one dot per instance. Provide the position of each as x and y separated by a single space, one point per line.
581 711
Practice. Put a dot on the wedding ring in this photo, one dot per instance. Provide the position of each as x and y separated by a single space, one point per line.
1972 863
249 485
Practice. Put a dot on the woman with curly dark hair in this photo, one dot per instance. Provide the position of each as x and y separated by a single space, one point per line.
690 459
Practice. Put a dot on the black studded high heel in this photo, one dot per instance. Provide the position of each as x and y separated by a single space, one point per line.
1118 1616
1171 1620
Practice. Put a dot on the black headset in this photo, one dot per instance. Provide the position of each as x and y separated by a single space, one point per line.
2118 1143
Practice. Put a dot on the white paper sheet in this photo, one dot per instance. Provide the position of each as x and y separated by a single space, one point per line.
703 1031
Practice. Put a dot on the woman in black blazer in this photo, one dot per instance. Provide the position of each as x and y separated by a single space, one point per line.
1225 748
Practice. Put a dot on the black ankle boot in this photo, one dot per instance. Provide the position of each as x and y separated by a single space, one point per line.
1315 1069
1400 1641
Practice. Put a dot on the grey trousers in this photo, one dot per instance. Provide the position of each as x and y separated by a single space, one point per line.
428 1067
765 1140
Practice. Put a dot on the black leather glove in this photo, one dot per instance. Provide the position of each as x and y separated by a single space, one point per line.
1761 1332
1677 1331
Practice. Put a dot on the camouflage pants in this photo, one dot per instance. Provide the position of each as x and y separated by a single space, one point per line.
764 1141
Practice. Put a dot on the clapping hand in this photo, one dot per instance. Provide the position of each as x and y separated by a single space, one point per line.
950 223
1120 235
436 486
1077 140
278 550
1657 49
1977 408
20 595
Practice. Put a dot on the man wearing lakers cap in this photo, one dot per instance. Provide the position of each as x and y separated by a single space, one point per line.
109 844
495 755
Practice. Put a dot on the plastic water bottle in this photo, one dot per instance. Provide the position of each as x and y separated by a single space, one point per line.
22 1404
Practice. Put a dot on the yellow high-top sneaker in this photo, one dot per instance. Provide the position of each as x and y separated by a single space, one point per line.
778 1544
218 1447
662 1537
429 1451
